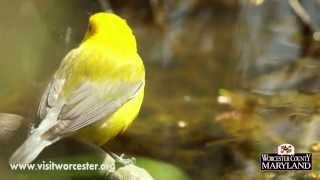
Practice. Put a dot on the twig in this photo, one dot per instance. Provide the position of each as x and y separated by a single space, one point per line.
105 5
301 13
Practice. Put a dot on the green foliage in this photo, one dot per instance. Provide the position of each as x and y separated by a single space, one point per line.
160 170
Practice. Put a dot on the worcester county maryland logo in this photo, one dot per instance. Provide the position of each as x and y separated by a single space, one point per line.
286 159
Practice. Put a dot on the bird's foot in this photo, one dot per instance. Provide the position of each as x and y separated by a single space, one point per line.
121 160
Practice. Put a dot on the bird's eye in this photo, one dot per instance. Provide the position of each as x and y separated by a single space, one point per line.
90 28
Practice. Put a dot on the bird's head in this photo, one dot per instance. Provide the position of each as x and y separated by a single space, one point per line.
110 29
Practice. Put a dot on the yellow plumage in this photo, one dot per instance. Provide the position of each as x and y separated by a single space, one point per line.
118 46
95 94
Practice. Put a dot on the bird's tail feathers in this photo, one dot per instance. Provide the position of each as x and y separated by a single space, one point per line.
29 150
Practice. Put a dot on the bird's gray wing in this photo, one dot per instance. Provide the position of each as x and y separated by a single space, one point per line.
51 94
90 103
50 97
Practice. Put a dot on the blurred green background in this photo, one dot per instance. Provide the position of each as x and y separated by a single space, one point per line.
261 51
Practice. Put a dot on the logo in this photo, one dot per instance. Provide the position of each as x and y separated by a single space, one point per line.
286 159
285 149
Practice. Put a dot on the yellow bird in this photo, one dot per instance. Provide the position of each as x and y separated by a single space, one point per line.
96 92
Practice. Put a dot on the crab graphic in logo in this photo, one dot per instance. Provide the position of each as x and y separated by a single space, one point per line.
285 149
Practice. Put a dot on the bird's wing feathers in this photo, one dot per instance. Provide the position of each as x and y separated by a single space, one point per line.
50 97
51 94
86 106
91 103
